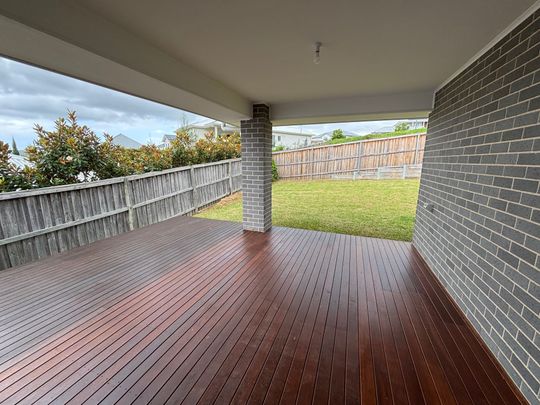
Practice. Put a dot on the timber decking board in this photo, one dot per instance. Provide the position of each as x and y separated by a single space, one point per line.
191 310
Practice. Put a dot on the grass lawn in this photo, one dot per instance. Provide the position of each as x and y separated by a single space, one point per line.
376 208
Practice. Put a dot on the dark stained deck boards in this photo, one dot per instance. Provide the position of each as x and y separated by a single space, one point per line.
192 310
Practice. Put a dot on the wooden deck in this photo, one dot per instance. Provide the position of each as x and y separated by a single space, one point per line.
192 310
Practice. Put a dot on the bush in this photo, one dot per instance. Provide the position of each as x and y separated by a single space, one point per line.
275 174
11 177
212 149
338 134
182 149
149 158
278 148
64 155
115 160
72 153
402 126
185 152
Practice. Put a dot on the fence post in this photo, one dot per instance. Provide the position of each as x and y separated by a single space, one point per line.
404 172
359 159
129 204
311 159
334 170
379 172
416 149
194 189
230 178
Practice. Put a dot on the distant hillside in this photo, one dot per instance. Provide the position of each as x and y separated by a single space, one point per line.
375 136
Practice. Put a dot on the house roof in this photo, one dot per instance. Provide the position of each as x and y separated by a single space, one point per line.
19 161
125 141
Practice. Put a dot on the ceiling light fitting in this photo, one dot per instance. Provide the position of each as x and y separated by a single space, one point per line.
317 56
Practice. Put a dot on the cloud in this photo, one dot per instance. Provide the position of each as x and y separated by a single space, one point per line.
30 95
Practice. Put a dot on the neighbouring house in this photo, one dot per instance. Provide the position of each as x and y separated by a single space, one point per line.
322 138
319 139
125 141
288 139
416 124
200 129
166 141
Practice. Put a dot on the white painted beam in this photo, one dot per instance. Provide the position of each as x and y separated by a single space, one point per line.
358 108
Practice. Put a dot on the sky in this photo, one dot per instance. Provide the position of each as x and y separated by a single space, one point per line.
29 95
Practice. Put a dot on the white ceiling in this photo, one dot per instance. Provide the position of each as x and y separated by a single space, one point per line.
263 49
252 51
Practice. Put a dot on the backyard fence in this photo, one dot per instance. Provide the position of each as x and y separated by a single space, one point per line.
38 223
41 222
394 157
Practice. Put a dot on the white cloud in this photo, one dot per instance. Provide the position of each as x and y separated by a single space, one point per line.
30 95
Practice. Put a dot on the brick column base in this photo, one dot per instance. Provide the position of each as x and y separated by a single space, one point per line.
256 135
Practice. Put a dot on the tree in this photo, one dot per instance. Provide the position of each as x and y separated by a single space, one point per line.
116 161
402 126
185 122
275 173
14 150
68 154
338 134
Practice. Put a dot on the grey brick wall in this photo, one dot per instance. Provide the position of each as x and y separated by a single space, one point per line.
478 215
256 137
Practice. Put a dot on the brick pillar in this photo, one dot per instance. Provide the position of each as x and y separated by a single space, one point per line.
256 137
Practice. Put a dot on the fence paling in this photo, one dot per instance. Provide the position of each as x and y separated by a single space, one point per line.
41 222
353 157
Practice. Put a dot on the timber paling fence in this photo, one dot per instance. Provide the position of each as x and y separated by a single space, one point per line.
38 223
395 157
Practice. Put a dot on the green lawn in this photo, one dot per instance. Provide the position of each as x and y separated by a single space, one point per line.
376 208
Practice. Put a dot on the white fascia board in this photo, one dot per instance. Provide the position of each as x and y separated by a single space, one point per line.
359 108
62 37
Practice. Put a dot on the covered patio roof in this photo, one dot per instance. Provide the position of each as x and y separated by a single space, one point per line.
378 59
